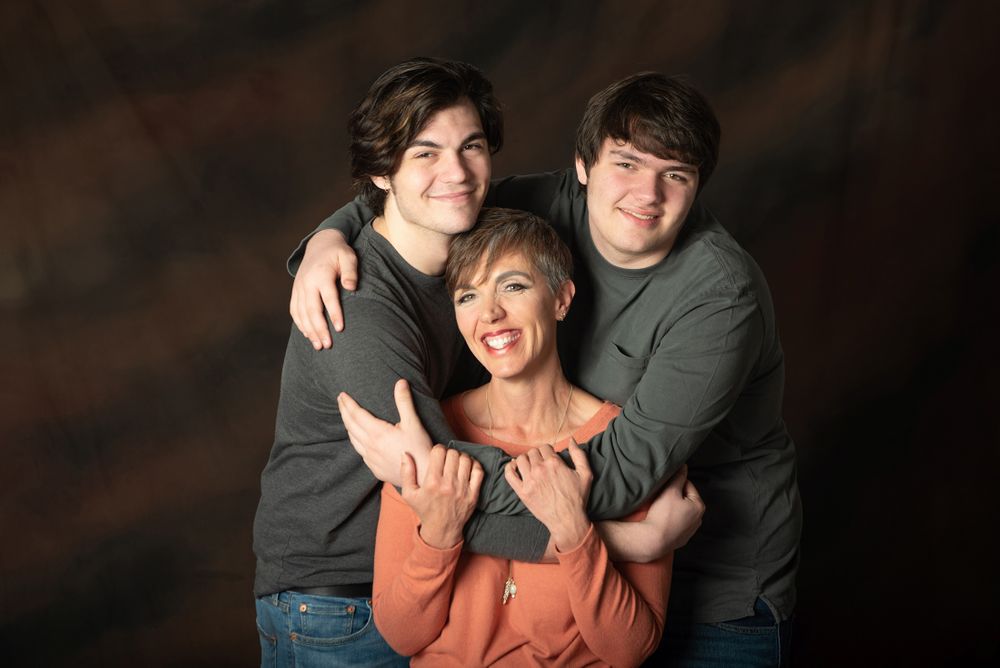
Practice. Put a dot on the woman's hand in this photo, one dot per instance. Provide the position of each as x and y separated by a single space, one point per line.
554 493
447 496
327 257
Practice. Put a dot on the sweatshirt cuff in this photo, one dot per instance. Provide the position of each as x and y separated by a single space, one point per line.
428 555
586 547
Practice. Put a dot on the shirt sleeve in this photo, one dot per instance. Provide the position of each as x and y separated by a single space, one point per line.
413 581
630 598
348 220
692 380
368 357
535 193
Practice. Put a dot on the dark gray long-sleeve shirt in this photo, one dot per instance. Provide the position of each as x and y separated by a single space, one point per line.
690 349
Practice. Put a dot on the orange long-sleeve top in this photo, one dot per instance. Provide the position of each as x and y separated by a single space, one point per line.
443 607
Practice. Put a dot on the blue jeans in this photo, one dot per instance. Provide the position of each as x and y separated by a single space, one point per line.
751 642
300 631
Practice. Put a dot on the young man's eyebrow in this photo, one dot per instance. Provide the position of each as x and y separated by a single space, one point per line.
427 143
681 166
627 155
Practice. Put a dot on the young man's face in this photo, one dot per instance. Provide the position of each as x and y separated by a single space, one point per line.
637 203
443 174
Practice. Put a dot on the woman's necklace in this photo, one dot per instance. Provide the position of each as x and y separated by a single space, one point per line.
510 587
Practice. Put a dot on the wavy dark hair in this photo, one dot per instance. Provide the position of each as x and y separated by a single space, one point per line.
397 107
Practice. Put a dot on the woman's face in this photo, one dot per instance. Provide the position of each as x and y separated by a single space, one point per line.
508 318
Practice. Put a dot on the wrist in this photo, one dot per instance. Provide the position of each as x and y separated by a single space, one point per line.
329 236
439 539
568 535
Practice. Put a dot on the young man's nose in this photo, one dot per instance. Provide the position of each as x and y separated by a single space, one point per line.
648 188
453 167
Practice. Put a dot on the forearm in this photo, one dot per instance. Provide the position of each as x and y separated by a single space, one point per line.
690 384
629 541
413 581
624 544
602 598
522 538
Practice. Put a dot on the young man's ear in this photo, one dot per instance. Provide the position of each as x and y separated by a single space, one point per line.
581 171
381 182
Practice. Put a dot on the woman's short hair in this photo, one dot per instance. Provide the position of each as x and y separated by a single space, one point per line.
397 107
658 114
499 232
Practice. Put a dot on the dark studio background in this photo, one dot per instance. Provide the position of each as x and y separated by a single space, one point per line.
158 161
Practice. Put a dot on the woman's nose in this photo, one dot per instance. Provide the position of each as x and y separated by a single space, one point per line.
492 310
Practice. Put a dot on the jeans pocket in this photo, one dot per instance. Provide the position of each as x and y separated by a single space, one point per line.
742 629
332 622
268 642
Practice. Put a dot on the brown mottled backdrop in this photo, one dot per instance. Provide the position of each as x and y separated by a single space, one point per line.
159 159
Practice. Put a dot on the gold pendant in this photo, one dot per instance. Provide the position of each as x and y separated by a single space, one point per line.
509 590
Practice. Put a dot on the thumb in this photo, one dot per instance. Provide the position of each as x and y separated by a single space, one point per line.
679 481
579 457
408 472
404 403
349 270
691 492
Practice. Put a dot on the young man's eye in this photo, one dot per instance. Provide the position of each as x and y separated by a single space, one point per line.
473 146
680 177
625 165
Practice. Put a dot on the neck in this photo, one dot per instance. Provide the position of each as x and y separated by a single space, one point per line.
528 412
423 249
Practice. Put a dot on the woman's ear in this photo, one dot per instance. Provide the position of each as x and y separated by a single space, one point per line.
564 297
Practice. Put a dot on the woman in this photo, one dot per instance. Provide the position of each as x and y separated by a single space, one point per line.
510 279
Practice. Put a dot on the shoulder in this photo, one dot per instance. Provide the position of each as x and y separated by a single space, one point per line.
604 412
553 195
708 258
388 286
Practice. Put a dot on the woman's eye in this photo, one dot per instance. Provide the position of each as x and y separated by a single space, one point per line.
463 299
514 287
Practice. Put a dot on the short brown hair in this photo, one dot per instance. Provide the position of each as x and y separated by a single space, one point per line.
398 106
658 114
502 231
